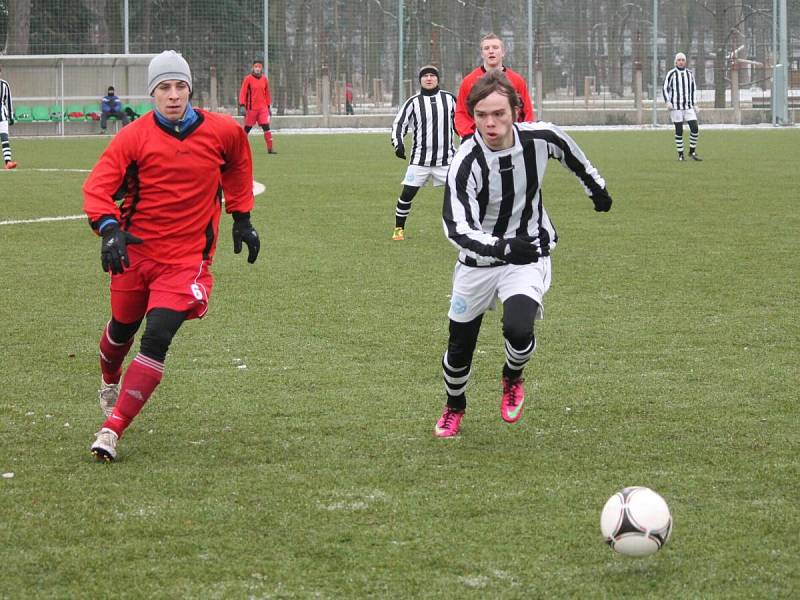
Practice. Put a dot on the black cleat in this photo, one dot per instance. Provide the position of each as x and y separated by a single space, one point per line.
271 152
680 156
693 156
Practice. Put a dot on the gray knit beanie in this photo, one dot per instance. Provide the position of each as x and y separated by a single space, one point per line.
168 65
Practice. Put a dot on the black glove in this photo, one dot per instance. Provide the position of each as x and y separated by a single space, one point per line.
114 249
241 110
243 232
517 251
400 151
11 120
544 242
602 200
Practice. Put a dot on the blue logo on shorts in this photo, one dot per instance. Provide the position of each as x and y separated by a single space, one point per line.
410 177
458 305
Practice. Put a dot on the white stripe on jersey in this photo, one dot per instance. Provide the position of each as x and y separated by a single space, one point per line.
432 121
679 89
492 195
6 106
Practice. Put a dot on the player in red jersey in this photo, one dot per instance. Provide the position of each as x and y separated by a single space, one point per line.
168 169
255 99
493 51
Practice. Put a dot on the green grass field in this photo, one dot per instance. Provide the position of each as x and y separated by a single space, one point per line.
289 452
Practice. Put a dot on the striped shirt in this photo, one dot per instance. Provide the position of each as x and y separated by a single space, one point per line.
492 195
678 89
431 117
6 106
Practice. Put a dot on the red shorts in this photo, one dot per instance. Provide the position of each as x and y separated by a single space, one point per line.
148 284
260 116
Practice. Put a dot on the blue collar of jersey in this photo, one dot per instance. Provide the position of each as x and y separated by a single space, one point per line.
181 125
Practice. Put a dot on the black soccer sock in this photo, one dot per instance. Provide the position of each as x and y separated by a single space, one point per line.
519 312
403 208
694 133
679 137
457 361
6 147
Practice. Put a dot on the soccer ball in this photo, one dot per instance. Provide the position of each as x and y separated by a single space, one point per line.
636 521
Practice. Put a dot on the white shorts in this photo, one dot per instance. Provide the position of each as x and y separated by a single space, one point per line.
476 289
679 116
3 126
417 176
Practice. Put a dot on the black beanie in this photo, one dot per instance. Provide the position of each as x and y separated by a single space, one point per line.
428 69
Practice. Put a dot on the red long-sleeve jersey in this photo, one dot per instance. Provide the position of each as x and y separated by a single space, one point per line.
465 124
254 94
170 184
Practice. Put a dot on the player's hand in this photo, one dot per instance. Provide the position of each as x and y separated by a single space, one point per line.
400 151
669 106
602 200
11 120
241 110
114 249
544 242
243 232
517 251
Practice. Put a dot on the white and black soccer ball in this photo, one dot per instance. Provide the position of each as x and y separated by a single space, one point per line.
636 521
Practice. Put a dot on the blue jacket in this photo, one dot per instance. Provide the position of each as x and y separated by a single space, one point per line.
111 104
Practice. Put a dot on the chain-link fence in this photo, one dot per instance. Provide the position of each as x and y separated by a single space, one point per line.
576 54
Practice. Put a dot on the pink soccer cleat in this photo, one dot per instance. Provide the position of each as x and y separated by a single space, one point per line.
448 424
513 402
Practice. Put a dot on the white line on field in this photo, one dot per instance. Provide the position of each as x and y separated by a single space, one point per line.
42 220
258 188
55 170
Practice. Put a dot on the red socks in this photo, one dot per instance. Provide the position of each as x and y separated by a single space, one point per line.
141 379
111 356
268 139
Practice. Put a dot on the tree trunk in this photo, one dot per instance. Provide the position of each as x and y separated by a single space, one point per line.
615 40
97 26
581 45
19 27
376 43
279 77
720 44
700 65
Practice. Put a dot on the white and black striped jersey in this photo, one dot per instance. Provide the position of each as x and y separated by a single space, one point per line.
6 106
431 117
492 195
678 89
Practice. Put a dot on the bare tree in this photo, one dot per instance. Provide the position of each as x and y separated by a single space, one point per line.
581 61
19 27
720 42
98 33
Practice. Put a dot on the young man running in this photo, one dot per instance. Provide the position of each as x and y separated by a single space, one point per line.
493 214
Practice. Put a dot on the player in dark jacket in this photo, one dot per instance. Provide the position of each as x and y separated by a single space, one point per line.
111 106
169 169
